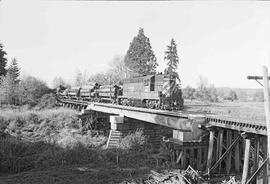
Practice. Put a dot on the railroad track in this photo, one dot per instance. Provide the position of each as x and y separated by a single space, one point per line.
237 124
248 126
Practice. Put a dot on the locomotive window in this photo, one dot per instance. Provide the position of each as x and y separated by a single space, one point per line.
152 84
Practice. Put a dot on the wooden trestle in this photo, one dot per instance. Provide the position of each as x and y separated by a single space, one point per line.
234 147
190 153
235 153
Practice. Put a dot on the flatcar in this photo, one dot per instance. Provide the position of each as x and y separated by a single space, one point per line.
88 92
74 92
108 93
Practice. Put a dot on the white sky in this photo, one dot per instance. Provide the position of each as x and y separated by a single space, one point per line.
222 41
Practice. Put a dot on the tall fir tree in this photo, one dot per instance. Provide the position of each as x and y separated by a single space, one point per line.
14 70
3 61
171 57
140 58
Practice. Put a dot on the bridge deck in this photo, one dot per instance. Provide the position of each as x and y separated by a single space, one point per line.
181 120
177 120
237 124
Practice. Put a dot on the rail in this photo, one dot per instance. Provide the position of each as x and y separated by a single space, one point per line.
173 119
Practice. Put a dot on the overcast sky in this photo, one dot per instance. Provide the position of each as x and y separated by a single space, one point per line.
222 41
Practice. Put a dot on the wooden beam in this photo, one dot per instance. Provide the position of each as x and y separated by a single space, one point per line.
256 77
229 157
179 157
220 147
255 174
183 159
225 154
257 154
246 161
192 158
199 156
210 150
237 155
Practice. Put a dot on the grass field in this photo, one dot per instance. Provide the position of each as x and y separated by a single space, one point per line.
250 111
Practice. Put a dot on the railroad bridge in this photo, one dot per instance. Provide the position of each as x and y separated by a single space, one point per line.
214 145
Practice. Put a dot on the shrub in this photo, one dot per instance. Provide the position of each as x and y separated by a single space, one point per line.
47 101
31 90
134 141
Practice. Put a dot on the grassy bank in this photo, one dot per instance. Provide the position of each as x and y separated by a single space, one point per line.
50 146
38 139
58 126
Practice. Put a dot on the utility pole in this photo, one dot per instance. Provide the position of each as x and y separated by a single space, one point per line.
267 104
265 85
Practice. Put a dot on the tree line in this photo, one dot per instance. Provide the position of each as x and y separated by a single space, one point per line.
17 90
206 92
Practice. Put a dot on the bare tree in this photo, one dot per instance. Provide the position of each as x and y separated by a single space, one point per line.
57 81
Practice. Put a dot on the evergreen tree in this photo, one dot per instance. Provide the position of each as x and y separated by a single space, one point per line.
8 90
140 58
14 70
171 57
3 61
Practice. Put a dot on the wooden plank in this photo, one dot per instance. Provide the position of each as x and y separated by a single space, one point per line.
237 155
220 147
246 161
205 151
192 158
256 154
183 160
210 150
229 157
179 157
199 155
108 141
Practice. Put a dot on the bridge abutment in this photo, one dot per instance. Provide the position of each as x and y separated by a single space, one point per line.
121 126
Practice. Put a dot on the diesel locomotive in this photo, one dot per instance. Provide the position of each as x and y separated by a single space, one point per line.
159 91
